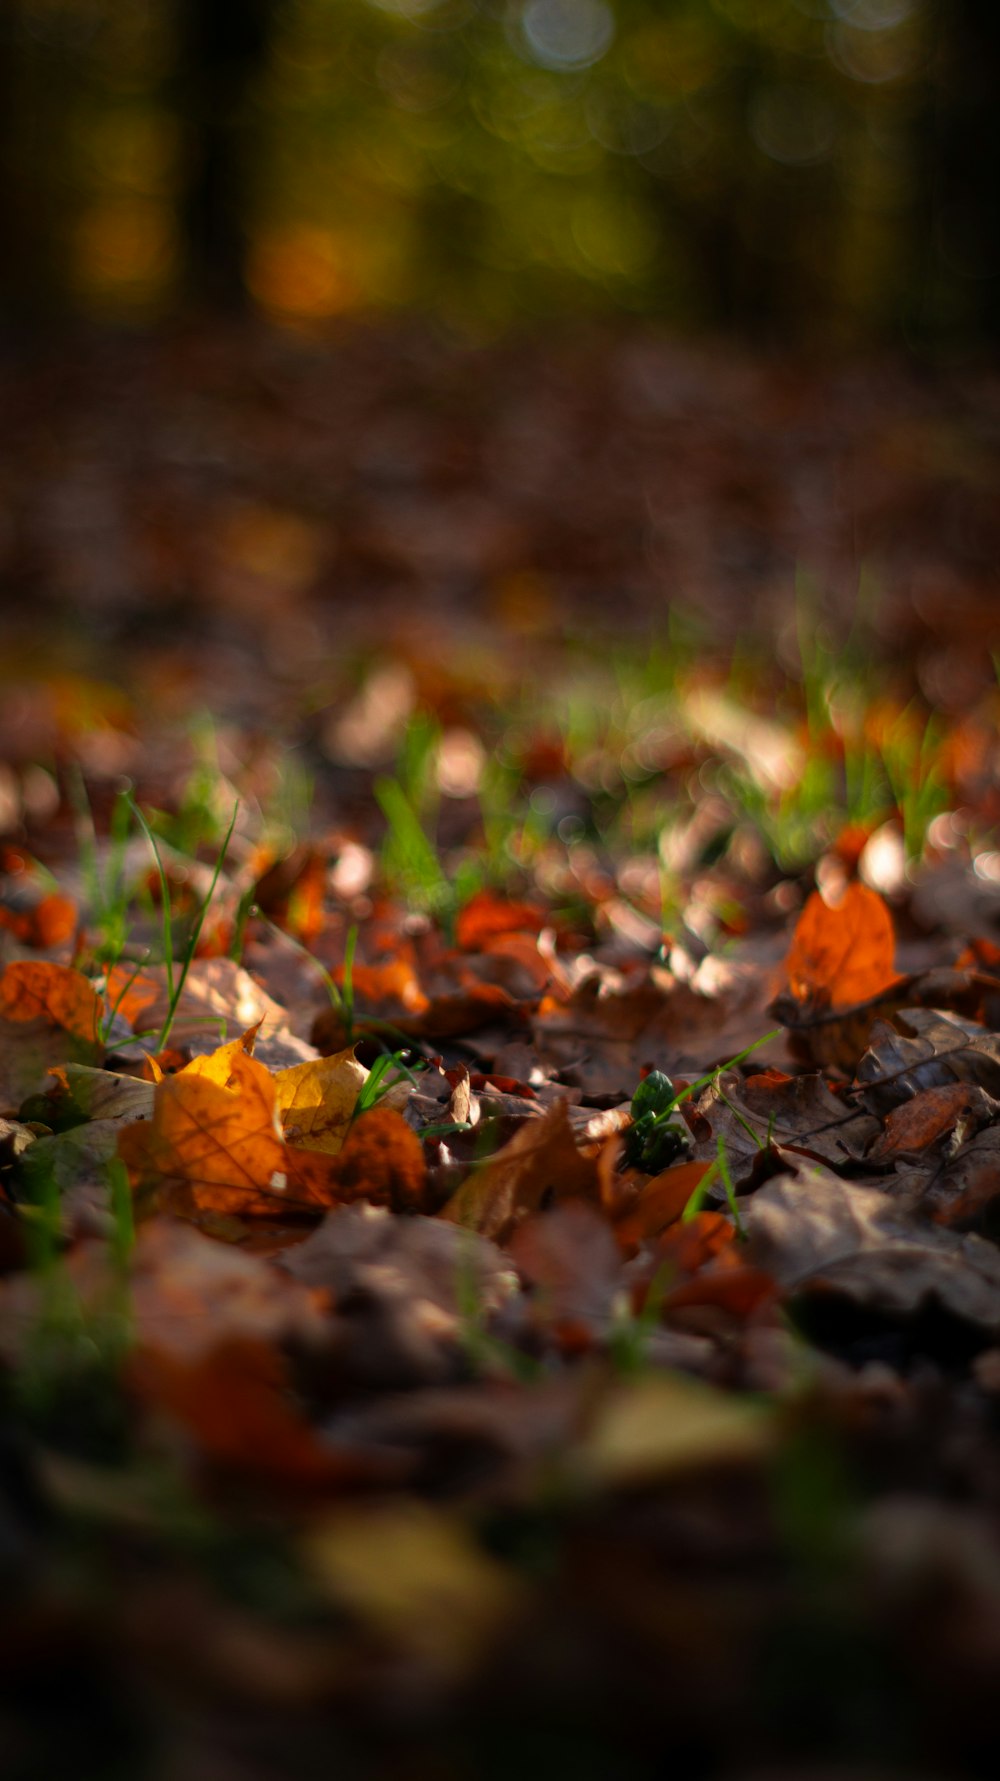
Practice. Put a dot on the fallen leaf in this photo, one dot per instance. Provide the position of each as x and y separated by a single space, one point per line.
211 1146
486 915
382 1160
813 1230
234 1400
938 1049
218 996
665 1425
105 1094
49 1014
540 1163
316 1100
659 1203
403 1292
416 1578
932 1114
967 1183
603 1037
842 953
570 1259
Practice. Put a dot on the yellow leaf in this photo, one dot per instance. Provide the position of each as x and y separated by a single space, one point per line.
316 1100
663 1425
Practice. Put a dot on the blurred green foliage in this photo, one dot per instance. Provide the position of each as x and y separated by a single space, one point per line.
796 166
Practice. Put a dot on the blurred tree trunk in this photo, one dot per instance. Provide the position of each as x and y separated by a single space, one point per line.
960 148
37 88
222 50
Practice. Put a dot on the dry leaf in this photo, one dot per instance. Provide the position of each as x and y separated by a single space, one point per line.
664 1425
234 1400
812 1230
49 1014
415 1577
212 1146
486 915
966 1183
932 1114
842 954
540 1163
659 1203
316 1101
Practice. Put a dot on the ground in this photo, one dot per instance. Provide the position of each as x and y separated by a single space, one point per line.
499 1060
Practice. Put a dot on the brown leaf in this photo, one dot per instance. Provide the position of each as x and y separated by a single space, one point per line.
938 1049
932 1114
813 1231
570 1258
601 1038
217 993
399 1289
540 1163
966 1183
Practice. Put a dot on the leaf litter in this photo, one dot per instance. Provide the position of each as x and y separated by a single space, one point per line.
343 1326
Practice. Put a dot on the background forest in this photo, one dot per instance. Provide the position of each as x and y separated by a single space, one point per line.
822 171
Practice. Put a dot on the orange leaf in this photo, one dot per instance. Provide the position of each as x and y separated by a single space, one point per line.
382 1161
842 954
35 990
486 915
659 1204
49 1015
212 1146
233 1400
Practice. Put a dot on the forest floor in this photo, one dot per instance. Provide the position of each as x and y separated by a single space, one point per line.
499 1061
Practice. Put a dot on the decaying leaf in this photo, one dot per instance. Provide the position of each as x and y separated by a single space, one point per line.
106 1094
935 1050
658 1203
382 1161
774 1108
218 996
571 1261
966 1183
953 1109
415 1577
402 1291
814 1231
602 1038
665 1425
540 1164
233 1400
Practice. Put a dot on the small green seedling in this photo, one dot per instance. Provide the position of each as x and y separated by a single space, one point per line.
654 1140
379 1081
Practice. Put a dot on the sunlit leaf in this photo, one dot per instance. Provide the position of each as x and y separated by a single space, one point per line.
316 1100
842 954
